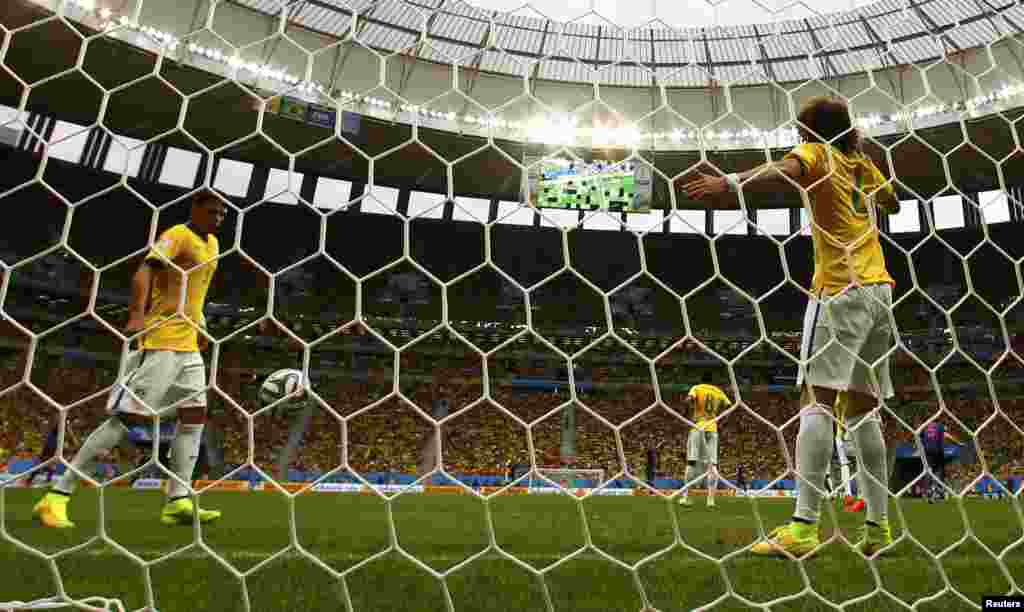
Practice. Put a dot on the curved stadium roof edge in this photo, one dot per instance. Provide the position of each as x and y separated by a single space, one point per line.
882 35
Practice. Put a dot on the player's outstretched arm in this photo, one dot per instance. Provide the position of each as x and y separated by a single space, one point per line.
707 186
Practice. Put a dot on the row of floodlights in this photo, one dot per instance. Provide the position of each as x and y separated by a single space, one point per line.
556 129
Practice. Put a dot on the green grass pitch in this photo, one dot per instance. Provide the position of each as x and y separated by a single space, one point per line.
442 530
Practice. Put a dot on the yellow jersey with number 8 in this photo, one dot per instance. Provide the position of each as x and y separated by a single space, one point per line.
842 190
197 257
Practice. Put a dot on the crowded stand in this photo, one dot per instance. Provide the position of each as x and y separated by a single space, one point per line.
486 441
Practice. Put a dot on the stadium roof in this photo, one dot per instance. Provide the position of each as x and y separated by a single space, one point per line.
879 35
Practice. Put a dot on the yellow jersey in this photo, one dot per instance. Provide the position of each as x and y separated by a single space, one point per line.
841 190
195 255
708 400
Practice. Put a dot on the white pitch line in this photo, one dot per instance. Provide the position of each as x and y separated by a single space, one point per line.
250 554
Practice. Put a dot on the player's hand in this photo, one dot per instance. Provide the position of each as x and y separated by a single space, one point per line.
202 341
136 323
705 186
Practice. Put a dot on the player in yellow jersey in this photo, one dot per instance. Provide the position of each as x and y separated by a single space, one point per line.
166 374
847 330
707 401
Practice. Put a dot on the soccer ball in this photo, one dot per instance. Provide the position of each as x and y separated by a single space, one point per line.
281 385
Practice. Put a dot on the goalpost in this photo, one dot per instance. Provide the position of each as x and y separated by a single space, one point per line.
986 192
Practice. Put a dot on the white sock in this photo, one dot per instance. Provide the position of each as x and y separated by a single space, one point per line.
844 472
184 455
712 481
873 477
692 474
813 452
102 440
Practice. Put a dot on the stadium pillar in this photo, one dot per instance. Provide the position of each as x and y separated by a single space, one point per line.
26 142
925 214
794 220
153 157
449 210
204 162
44 128
97 145
709 222
257 184
38 124
752 218
357 191
492 212
307 190
402 204
50 126
972 213
103 151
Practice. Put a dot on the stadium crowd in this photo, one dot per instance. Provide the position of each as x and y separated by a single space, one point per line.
481 437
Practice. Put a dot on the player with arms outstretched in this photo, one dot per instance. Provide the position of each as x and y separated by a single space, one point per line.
167 373
707 401
847 323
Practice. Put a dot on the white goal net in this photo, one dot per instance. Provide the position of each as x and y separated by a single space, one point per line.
472 228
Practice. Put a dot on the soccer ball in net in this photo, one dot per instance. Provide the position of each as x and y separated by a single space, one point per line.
284 387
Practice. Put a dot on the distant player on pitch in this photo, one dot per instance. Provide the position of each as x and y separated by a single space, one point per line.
933 439
707 401
847 323
167 373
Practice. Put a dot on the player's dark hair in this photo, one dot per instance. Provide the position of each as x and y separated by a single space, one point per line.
827 120
205 197
706 378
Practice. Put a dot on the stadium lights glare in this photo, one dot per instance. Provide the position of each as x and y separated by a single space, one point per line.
558 130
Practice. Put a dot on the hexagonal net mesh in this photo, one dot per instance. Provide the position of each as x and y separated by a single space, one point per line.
419 305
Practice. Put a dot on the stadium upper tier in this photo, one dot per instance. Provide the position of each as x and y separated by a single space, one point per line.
878 36
167 64
516 77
